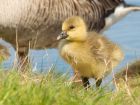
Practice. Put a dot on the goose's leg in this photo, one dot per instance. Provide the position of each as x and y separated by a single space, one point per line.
23 59
86 83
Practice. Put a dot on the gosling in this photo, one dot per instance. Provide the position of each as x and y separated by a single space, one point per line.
131 71
89 53
129 75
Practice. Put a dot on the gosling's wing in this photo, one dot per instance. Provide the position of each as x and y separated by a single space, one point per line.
100 46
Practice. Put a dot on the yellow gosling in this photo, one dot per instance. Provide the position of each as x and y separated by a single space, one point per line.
129 75
4 53
89 53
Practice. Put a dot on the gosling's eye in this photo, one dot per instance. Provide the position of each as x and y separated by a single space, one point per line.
71 27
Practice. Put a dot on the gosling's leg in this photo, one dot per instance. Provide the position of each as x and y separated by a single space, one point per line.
86 83
98 82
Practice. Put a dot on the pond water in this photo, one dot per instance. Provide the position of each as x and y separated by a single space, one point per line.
126 33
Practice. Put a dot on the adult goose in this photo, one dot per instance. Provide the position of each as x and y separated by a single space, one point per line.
35 24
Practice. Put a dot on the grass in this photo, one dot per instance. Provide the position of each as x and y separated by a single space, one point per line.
52 89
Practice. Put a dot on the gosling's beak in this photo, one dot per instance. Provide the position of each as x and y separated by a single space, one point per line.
62 35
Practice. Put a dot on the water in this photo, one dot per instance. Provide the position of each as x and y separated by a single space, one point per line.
126 33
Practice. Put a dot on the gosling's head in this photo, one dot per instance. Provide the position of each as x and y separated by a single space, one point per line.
73 29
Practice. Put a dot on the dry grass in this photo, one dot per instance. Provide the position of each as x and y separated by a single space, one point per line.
52 89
